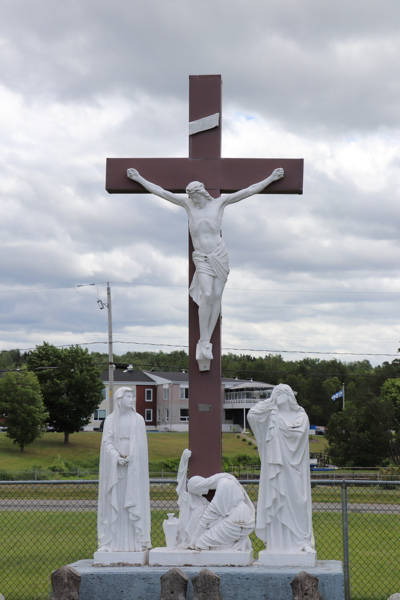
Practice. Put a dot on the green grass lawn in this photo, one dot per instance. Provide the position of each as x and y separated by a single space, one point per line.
318 443
35 543
82 446
85 445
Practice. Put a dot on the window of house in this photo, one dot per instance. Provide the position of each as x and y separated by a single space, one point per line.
166 393
184 393
148 394
184 415
166 415
99 414
148 414
158 415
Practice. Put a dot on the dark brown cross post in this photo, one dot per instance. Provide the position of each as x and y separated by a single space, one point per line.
219 175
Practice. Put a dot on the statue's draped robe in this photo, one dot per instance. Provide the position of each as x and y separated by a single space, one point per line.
123 520
228 519
284 510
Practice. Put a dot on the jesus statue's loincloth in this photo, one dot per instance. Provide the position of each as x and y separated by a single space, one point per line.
215 264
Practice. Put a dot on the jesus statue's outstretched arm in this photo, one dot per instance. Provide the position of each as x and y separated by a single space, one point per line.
155 189
256 188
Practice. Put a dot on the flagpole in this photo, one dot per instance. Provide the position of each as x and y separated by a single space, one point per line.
343 395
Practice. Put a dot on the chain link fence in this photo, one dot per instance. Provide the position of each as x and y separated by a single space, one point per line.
47 524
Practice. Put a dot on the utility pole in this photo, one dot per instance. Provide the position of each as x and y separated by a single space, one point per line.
110 353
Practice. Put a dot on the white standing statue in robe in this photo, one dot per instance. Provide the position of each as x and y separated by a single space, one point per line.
284 520
225 523
210 255
123 520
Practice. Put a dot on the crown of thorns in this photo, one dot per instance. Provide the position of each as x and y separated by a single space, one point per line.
195 186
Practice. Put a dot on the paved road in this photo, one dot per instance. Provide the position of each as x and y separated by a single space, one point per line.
171 505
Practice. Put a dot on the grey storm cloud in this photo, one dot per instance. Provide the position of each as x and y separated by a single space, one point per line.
316 65
84 80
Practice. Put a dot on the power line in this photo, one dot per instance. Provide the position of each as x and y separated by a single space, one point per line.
330 353
52 367
178 369
267 290
292 291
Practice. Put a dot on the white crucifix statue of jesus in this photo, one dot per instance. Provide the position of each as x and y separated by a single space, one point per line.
210 255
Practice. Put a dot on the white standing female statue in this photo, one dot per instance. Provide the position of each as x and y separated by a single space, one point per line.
284 519
210 255
123 520
225 523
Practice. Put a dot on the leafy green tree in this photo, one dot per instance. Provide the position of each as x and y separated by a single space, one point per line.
390 393
11 359
21 401
360 435
70 383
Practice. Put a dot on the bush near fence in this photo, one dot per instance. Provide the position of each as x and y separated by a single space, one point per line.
46 525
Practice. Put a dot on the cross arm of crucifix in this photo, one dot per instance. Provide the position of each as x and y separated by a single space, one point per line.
256 188
155 189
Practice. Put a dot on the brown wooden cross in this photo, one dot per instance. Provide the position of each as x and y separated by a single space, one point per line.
219 175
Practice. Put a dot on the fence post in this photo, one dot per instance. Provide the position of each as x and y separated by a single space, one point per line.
345 529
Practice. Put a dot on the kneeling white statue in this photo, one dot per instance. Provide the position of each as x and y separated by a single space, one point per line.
123 519
284 519
225 523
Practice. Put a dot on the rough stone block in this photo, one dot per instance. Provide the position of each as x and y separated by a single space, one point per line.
305 587
206 586
394 597
237 583
174 585
65 583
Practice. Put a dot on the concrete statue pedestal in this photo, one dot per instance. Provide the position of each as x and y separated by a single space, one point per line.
255 582
115 558
178 557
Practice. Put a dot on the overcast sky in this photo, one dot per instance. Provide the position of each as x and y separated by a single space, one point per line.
83 80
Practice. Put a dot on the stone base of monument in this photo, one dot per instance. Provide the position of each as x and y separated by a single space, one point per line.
127 558
178 557
252 583
283 559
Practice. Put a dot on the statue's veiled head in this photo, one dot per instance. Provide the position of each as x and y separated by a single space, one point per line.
197 192
124 398
283 393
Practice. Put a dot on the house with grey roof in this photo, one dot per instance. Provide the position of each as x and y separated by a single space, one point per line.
162 398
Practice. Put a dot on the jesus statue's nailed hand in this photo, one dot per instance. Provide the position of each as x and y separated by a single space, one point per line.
277 174
133 174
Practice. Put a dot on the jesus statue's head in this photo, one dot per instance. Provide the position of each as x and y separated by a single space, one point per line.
196 191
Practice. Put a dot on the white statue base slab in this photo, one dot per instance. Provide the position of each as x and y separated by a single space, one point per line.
181 557
129 558
286 559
